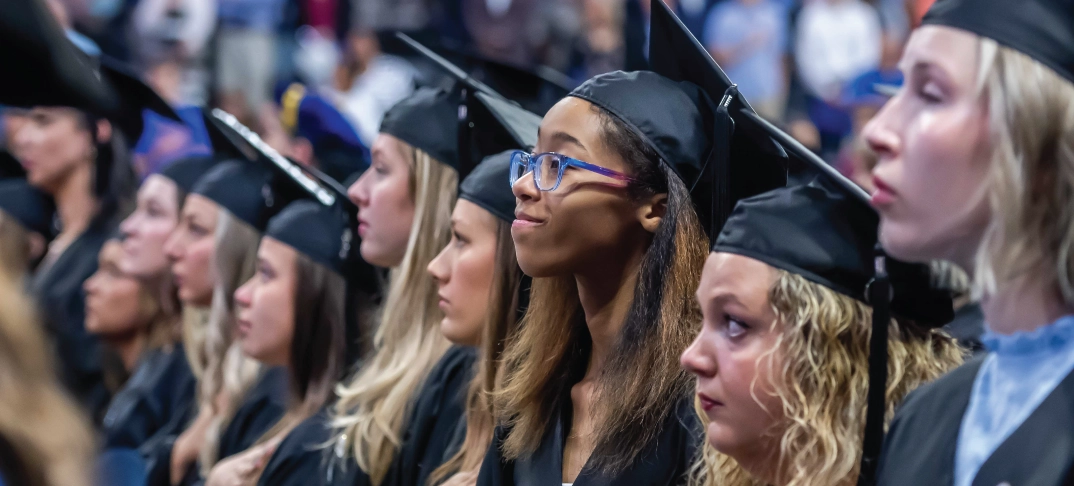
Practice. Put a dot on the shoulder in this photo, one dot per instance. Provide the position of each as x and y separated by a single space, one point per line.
457 362
940 392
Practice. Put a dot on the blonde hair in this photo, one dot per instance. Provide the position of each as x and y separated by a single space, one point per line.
44 429
1031 180
821 376
373 406
227 370
15 243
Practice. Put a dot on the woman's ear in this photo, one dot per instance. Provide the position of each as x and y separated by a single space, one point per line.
652 211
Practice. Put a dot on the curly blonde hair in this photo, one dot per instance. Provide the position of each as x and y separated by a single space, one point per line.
822 376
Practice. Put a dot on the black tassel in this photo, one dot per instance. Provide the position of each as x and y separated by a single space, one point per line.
879 294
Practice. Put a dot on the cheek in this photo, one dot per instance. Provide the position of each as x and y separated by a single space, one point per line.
582 228
120 306
272 318
389 217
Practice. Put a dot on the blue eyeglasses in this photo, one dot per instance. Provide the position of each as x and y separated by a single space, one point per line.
545 165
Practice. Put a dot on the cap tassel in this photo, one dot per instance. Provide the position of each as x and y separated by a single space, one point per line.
466 151
879 294
719 164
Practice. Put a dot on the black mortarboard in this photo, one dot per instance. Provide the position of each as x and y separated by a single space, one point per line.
487 186
242 187
135 96
33 209
427 120
489 123
826 231
535 88
44 68
186 172
744 160
1040 29
320 232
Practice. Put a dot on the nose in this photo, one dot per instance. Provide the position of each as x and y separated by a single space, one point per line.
244 294
438 268
127 226
90 285
172 248
880 134
357 192
525 188
696 360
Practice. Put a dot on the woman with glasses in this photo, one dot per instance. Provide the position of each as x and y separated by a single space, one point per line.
604 224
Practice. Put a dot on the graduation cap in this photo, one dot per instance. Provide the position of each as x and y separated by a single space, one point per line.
488 122
320 232
135 96
744 160
186 172
427 120
536 89
826 231
46 69
339 150
33 209
1040 29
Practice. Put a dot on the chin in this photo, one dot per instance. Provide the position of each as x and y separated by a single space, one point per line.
375 256
904 243
537 267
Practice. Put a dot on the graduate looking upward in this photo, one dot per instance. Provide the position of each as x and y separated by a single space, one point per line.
976 166
614 238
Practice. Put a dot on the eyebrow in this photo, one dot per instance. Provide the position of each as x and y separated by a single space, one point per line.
718 298
564 137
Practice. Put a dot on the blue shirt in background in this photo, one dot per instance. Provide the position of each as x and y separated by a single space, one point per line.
262 15
731 24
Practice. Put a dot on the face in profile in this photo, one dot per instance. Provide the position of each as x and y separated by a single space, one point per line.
266 305
52 143
589 218
385 203
190 249
464 272
932 142
114 305
735 357
147 229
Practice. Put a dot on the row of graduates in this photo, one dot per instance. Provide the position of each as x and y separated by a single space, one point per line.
535 321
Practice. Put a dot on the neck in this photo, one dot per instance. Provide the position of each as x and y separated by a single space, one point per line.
1024 305
75 203
129 348
606 294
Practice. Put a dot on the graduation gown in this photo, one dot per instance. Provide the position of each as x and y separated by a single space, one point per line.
431 428
161 388
58 289
438 411
262 408
920 446
664 462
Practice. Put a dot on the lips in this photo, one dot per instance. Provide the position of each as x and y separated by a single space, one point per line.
363 227
708 403
243 327
523 220
884 195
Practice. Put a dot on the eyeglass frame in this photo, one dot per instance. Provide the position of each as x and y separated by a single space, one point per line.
564 162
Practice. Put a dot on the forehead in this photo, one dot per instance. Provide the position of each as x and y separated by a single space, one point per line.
952 50
158 186
747 279
276 252
573 116
200 207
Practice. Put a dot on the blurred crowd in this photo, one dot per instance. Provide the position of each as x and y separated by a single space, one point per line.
809 65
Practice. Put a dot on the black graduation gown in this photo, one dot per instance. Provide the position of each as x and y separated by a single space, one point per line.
58 289
431 428
161 388
262 408
920 445
665 462
438 411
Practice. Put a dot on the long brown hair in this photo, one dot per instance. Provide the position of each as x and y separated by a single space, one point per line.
642 381
501 324
45 440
